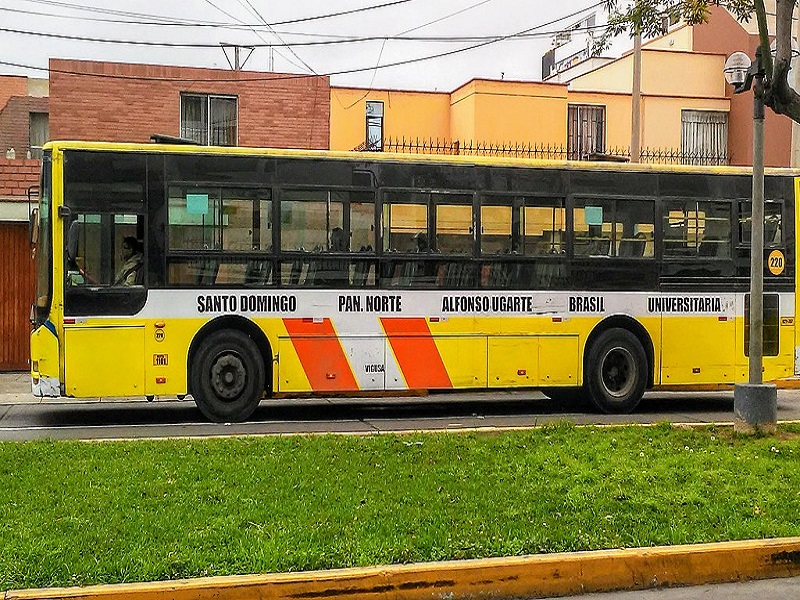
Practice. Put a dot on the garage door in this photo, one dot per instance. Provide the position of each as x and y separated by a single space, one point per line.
17 290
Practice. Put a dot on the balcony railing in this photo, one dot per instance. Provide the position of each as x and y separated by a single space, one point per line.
663 156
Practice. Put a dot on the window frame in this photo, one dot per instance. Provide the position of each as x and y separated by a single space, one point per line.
372 119
36 151
218 254
366 260
208 115
690 137
575 136
614 200
733 223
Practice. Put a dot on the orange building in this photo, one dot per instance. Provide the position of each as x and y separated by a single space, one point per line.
689 113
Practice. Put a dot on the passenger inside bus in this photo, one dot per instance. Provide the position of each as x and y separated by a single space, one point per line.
421 242
130 273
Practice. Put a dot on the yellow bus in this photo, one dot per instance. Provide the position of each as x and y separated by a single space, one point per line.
232 274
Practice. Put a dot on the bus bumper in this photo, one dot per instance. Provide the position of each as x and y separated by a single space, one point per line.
45 381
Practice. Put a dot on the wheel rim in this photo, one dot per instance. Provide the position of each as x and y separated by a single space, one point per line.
618 372
228 376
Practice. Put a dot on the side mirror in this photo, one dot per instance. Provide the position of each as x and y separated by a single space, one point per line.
73 237
33 226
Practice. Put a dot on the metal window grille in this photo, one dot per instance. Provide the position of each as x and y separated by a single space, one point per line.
374 141
210 120
704 134
585 131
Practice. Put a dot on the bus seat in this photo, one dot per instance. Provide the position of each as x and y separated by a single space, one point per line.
139 274
295 272
632 247
708 248
207 271
715 237
361 271
258 273
599 247
313 273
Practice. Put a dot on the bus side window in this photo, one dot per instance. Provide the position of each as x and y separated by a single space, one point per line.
714 230
772 224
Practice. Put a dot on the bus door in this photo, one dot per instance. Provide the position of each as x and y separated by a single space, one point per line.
778 308
104 285
698 321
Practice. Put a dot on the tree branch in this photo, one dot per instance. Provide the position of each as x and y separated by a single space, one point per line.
778 94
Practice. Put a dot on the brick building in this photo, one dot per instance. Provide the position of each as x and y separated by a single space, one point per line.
128 103
123 102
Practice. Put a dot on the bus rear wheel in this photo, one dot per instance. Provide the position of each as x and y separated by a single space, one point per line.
616 371
227 376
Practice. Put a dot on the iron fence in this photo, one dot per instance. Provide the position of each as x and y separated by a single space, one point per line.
668 156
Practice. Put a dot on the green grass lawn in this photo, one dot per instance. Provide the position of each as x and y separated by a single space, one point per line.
80 513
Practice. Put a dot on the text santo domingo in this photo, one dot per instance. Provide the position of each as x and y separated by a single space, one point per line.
244 303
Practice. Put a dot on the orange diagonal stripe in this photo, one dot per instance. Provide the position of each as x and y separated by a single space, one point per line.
416 353
321 355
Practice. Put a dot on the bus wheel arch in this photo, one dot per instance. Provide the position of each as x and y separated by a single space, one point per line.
229 368
618 364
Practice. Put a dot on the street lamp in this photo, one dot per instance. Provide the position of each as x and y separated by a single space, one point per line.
755 403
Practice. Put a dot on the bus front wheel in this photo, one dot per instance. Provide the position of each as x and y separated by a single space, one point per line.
616 371
227 376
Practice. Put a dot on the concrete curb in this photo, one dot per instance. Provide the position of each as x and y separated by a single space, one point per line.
539 575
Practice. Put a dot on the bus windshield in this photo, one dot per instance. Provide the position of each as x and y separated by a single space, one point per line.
44 245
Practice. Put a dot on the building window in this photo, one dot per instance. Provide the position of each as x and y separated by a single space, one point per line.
39 133
210 120
704 137
586 126
375 126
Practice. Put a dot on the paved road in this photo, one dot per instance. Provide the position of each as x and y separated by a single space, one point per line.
774 589
21 419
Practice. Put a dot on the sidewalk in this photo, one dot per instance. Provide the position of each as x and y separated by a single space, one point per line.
15 388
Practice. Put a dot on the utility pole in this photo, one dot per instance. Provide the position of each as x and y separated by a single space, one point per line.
795 72
755 404
238 63
636 98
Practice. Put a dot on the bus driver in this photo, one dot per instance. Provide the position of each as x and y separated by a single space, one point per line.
130 271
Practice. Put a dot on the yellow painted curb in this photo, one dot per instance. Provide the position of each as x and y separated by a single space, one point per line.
540 575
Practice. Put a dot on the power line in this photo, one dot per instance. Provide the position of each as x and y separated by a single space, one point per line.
253 30
280 39
301 76
444 18
325 42
158 20
422 26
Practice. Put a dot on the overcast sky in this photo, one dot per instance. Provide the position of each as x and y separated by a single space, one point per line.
153 22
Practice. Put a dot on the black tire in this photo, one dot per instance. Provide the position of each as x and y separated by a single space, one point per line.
227 376
615 371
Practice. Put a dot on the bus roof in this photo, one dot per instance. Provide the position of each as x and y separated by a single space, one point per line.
443 159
